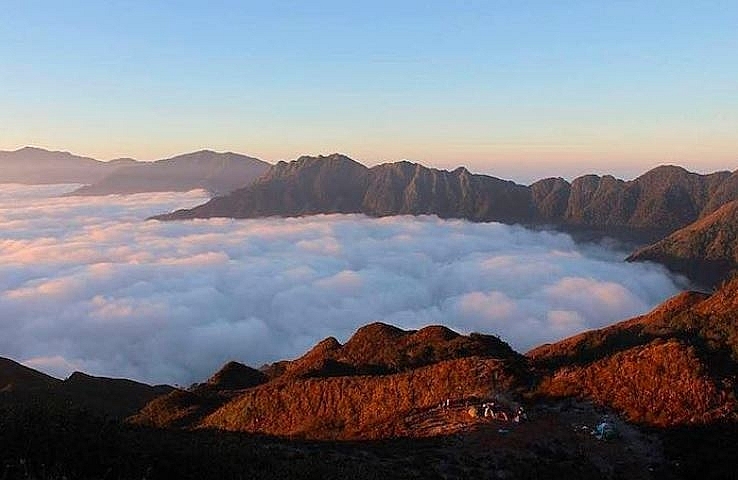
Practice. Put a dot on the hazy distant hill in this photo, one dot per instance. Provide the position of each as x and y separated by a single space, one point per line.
219 173
32 165
706 250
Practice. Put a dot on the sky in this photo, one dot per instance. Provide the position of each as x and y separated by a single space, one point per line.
89 285
517 89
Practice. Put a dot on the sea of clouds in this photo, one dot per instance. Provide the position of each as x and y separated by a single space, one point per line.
87 284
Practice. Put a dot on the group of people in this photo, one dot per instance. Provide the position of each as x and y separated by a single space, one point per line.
493 410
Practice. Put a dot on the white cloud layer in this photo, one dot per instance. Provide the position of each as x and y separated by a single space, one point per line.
86 284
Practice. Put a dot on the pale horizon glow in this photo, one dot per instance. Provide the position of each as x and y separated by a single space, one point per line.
519 90
524 171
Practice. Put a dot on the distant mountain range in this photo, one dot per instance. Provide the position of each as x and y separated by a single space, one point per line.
32 165
671 370
218 173
665 198
642 210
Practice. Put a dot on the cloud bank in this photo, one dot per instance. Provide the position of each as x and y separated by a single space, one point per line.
87 284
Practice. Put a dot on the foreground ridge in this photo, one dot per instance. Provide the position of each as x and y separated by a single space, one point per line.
664 381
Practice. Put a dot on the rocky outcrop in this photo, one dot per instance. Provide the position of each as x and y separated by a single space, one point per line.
379 348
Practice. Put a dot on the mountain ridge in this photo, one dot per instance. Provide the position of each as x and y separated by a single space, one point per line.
667 197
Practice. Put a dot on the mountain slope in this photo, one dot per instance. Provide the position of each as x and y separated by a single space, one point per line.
309 185
362 389
706 251
111 397
180 408
219 173
673 370
358 407
666 197
726 192
16 377
106 397
674 366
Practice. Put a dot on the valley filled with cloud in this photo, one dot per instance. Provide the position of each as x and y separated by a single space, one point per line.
86 283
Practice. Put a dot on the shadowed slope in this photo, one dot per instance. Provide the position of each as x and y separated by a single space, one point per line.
16 377
706 251
113 397
106 397
181 408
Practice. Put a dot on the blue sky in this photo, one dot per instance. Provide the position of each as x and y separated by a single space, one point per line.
512 88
